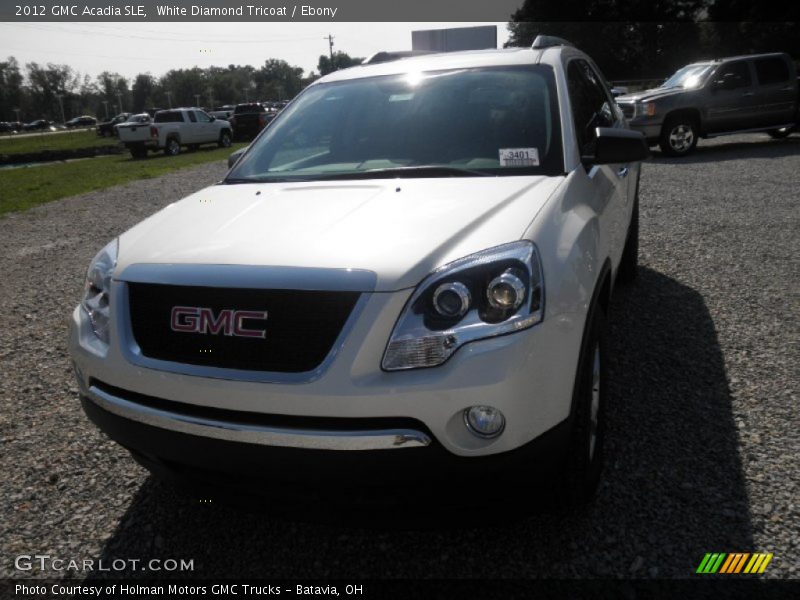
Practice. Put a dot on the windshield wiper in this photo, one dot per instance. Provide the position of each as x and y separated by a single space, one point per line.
418 171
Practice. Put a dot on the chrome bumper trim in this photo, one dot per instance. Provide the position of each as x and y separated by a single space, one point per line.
378 439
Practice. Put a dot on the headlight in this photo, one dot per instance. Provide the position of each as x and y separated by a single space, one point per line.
487 294
98 289
645 108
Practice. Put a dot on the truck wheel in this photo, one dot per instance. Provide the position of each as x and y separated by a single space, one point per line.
678 136
584 463
173 147
225 139
628 264
138 151
779 134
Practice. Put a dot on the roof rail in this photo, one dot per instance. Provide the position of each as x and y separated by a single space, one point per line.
383 56
548 41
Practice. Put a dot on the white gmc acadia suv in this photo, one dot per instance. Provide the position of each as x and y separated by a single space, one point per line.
404 277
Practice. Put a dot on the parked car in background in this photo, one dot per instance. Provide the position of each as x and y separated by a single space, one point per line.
106 128
172 129
6 127
82 121
38 125
223 112
404 281
133 121
249 119
710 98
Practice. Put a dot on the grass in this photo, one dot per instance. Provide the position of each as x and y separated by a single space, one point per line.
23 188
39 142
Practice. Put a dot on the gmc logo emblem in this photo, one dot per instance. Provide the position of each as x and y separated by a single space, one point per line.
197 319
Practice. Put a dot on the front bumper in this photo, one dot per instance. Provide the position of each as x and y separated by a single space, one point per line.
528 375
647 127
222 467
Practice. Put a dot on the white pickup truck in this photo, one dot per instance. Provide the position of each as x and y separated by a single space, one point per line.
174 128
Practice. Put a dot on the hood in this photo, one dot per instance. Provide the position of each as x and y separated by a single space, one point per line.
653 94
401 229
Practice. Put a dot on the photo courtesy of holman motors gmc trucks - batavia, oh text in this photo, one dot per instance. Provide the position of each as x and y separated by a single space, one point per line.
405 278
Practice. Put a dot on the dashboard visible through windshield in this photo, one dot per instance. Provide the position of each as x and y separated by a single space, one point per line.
465 122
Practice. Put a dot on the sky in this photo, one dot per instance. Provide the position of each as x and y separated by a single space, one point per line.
132 48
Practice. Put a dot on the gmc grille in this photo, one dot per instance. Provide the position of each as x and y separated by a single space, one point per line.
300 330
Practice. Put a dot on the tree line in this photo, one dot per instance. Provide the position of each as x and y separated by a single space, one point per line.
631 40
43 90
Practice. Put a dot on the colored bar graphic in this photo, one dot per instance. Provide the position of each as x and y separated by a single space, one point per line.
735 562
728 563
741 562
701 568
764 564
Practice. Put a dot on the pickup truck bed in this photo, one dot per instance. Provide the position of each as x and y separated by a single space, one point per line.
173 129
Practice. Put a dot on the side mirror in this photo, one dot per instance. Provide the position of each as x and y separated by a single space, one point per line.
212 117
617 146
234 158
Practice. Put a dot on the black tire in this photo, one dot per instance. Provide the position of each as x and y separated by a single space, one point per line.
629 263
224 139
779 134
679 135
138 151
173 147
584 464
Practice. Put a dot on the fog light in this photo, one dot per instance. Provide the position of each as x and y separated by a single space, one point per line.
484 421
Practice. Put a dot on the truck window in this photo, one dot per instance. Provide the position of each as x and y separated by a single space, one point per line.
736 75
771 70
168 116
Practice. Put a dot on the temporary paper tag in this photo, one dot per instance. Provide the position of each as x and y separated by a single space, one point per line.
519 157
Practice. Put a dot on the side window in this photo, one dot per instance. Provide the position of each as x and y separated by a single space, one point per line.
203 117
734 75
771 70
591 106
192 118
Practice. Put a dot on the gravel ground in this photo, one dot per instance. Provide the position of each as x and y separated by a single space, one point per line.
703 433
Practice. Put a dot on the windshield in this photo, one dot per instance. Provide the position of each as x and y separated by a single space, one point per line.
691 76
466 122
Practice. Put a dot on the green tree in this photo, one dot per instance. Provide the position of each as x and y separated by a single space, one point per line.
46 84
143 92
340 60
11 94
277 80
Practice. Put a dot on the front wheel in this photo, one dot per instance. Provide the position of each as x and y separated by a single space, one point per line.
225 139
584 463
678 136
173 147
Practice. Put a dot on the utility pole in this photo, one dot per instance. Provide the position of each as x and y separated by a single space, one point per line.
105 103
169 98
61 104
119 99
16 110
197 100
330 47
